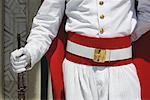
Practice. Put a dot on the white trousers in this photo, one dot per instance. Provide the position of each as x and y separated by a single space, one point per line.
83 82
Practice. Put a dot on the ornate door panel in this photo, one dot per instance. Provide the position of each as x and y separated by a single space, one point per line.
17 17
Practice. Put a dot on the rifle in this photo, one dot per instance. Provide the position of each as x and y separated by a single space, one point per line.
21 77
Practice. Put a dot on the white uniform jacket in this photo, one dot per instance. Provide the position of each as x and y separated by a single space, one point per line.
97 18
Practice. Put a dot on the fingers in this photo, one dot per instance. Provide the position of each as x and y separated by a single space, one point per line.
18 60
16 67
16 54
23 57
19 70
19 63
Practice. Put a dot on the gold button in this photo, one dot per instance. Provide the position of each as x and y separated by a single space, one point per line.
101 30
101 3
102 17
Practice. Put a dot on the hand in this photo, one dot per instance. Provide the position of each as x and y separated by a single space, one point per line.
20 59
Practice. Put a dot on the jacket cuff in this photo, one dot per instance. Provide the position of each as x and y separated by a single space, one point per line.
30 49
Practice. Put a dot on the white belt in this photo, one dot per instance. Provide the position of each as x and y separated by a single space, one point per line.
88 52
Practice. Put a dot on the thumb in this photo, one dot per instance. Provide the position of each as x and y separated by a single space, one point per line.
17 53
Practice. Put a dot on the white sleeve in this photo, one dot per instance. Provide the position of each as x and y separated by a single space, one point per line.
44 28
143 19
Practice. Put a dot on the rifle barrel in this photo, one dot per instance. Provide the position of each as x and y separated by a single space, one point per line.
21 81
